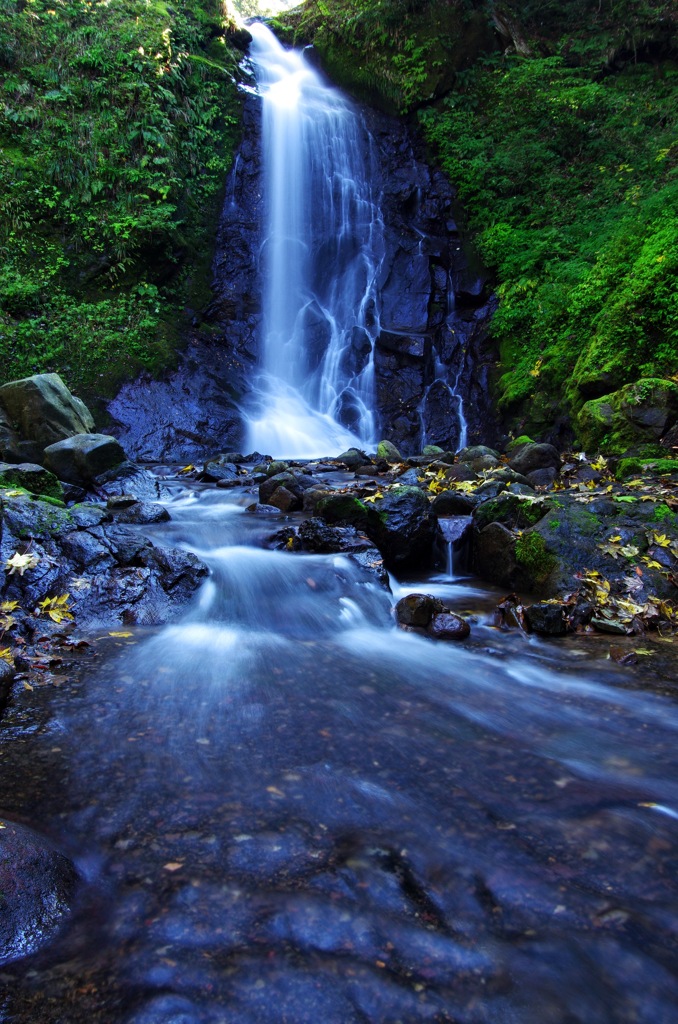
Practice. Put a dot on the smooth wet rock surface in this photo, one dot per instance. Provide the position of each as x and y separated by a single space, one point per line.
38 885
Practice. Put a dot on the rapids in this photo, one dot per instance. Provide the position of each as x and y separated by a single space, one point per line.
284 809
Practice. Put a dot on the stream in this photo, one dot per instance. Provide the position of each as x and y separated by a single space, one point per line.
284 809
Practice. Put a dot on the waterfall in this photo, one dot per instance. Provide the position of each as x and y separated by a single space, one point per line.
321 253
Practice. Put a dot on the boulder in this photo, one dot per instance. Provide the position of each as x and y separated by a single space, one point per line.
82 458
218 471
670 440
511 511
490 489
7 673
388 451
542 477
459 473
128 478
417 609
31 477
38 886
354 457
448 626
479 457
404 527
319 537
535 456
345 508
454 503
285 500
424 612
140 513
546 619
494 557
43 410
637 414
112 573
293 482
507 475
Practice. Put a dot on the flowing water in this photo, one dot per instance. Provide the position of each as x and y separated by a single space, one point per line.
321 255
286 810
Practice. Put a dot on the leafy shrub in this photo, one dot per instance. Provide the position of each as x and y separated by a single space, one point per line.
117 124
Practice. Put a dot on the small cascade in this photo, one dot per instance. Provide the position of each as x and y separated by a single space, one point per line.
455 533
321 252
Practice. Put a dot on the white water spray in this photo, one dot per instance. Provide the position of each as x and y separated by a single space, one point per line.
321 254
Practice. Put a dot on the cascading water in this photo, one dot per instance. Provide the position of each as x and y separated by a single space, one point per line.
321 254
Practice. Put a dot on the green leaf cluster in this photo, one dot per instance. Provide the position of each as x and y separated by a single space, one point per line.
118 119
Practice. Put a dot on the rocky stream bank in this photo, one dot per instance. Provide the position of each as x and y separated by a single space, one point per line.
578 544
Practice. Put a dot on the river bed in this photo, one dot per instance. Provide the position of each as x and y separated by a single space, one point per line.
284 809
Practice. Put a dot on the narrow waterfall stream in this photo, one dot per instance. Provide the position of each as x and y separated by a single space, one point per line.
321 253
286 810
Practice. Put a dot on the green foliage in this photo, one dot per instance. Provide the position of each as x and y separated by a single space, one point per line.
394 53
570 181
117 123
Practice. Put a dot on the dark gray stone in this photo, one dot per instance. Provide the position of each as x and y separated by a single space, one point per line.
535 456
454 503
547 619
404 527
448 626
38 885
417 609
42 409
84 457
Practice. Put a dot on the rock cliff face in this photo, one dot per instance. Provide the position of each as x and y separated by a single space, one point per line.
431 358
433 308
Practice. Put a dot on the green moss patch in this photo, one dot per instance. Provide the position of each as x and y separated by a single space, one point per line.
532 554
636 467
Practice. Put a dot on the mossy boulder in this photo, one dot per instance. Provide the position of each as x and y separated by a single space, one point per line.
511 510
387 450
634 467
518 442
42 409
569 537
31 477
637 414
345 508
401 523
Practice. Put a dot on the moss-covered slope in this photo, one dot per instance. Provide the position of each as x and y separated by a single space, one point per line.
117 123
